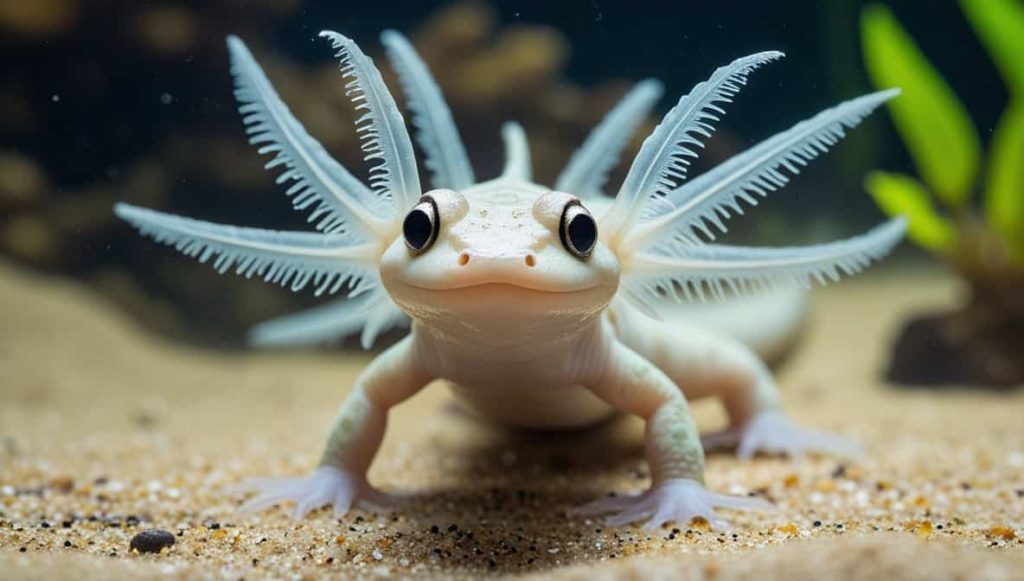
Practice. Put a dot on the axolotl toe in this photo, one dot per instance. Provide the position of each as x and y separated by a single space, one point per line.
539 305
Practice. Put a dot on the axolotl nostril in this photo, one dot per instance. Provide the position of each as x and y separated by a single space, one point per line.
539 305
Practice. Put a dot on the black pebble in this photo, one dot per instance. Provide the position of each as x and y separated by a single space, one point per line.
151 541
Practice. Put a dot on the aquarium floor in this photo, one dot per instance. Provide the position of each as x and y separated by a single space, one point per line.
106 431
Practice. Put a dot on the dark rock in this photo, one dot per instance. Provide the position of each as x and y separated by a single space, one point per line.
958 349
151 541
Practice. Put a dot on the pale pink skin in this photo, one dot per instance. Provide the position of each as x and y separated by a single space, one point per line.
561 352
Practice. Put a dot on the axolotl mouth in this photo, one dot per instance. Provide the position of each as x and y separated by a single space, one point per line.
501 305
497 276
498 287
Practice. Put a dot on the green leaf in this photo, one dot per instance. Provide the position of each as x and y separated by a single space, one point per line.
934 124
901 195
1004 188
1000 25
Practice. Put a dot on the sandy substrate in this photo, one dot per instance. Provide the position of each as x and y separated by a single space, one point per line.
106 431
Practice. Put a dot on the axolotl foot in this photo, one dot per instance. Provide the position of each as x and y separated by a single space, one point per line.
678 499
325 486
774 433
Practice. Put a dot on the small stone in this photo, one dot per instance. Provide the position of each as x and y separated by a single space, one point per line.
1003 532
151 541
922 529
63 484
789 529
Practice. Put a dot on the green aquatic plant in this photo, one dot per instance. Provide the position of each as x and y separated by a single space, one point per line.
966 205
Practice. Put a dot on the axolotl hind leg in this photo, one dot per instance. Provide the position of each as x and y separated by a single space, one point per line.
702 363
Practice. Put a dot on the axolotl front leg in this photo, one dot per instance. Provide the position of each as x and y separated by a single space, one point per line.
633 384
340 479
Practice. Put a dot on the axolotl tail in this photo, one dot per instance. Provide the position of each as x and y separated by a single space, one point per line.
769 323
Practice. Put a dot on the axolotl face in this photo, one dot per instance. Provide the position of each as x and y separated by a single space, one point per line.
499 256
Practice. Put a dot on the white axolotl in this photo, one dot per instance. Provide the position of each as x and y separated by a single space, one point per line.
538 305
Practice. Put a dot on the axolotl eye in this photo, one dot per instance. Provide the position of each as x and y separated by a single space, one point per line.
421 225
578 230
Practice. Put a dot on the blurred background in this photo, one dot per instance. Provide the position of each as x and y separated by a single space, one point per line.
107 100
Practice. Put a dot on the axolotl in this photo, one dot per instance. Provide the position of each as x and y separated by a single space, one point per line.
540 306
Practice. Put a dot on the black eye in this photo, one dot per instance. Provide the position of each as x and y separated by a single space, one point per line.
578 230
421 225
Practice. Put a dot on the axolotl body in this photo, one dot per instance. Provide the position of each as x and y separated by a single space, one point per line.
539 305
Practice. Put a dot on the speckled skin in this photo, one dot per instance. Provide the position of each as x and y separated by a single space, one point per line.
529 335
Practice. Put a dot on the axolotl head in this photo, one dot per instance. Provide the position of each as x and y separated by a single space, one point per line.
500 254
